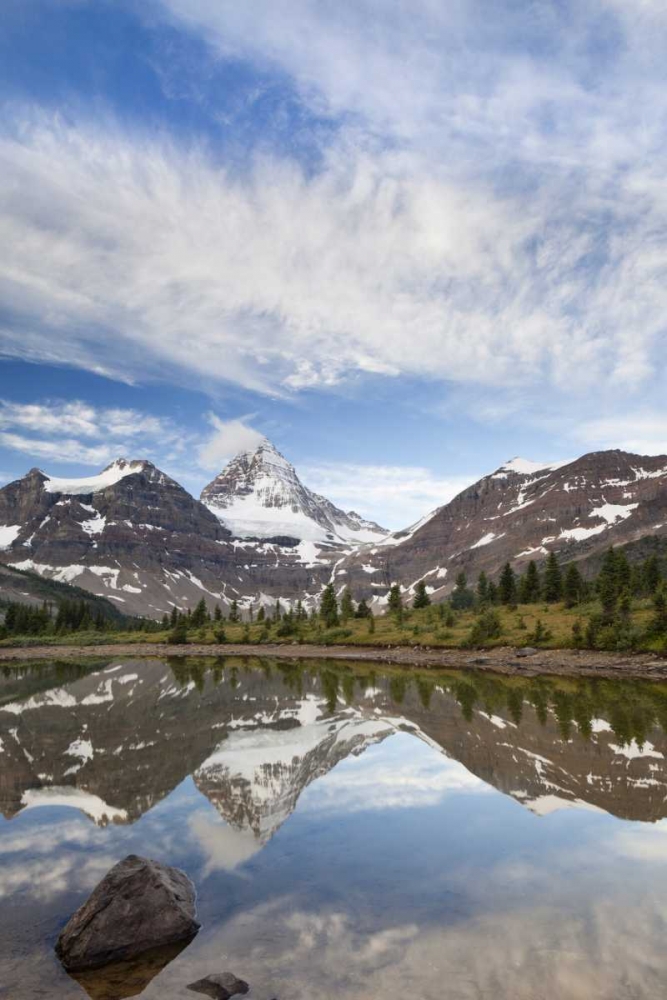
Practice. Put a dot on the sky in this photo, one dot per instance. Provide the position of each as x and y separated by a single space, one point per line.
405 240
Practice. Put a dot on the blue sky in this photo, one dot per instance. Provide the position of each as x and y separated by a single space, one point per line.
405 241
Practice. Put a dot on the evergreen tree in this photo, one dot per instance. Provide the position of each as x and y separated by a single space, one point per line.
261 614
461 597
482 588
217 613
529 585
173 617
199 615
507 590
346 606
329 606
301 613
651 574
395 604
493 593
623 572
507 586
607 588
421 598
363 611
553 580
179 633
573 586
659 621
234 615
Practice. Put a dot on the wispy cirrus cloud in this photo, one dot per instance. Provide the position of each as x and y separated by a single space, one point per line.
66 431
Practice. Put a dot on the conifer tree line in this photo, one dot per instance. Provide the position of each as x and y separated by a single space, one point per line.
617 578
62 617
330 614
606 603
614 589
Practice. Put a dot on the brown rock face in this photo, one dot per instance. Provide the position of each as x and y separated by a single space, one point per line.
517 514
139 905
145 544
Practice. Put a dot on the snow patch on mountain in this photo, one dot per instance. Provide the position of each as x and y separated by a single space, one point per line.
8 535
93 484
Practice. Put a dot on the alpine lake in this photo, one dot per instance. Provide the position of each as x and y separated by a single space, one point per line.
352 833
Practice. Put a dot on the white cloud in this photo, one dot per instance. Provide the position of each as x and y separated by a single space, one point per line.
643 432
76 417
41 430
59 449
395 775
381 261
228 439
394 495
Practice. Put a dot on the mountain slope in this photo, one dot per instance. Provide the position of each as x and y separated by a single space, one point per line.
259 495
131 534
522 511
134 536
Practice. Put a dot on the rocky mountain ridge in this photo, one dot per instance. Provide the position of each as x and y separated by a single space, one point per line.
522 511
135 536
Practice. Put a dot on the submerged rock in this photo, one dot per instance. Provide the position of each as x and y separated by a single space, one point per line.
139 905
220 986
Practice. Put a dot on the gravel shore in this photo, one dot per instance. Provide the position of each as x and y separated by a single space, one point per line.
504 660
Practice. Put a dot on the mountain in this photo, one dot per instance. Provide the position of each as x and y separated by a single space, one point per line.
131 534
522 511
259 495
134 536
115 741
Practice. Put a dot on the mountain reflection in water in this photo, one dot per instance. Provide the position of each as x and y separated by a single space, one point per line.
351 832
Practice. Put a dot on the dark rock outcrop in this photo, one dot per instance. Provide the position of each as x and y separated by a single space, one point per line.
220 986
139 905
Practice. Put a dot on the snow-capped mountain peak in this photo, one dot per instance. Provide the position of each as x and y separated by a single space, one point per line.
259 495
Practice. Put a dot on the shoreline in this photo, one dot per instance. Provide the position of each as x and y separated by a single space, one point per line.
504 660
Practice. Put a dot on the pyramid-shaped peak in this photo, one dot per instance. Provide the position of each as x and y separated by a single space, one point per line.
259 495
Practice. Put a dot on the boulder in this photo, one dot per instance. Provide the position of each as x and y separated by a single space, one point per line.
527 651
220 986
139 905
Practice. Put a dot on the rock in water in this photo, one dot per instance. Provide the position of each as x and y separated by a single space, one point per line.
138 905
220 986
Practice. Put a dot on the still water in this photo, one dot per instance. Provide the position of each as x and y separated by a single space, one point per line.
351 833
